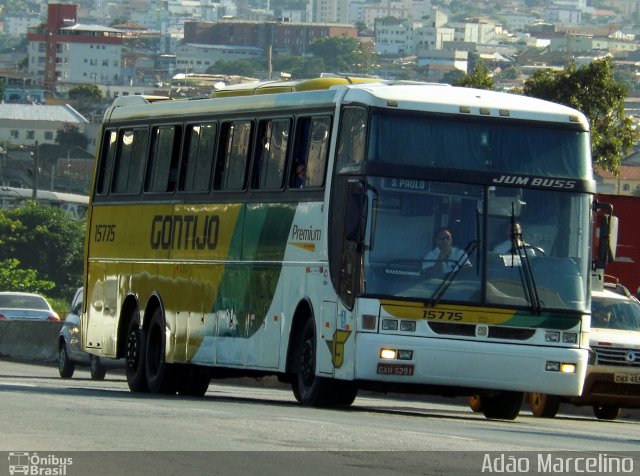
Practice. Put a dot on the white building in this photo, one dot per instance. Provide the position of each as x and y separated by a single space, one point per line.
403 37
22 124
17 25
193 58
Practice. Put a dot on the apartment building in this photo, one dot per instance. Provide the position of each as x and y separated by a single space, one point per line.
62 49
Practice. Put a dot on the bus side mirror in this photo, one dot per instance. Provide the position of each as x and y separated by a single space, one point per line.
355 219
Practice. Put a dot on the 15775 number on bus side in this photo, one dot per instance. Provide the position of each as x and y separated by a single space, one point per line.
105 233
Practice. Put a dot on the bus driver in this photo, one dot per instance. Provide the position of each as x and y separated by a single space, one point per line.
444 257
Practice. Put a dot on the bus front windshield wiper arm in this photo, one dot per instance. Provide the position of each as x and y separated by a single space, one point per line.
529 280
453 272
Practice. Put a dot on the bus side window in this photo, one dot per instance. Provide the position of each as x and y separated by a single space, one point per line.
271 154
352 137
130 160
197 162
310 152
162 167
107 153
234 157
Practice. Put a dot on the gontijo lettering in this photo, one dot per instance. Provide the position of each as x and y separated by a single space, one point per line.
311 234
184 232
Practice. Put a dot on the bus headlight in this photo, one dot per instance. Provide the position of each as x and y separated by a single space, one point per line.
389 325
551 336
408 326
388 354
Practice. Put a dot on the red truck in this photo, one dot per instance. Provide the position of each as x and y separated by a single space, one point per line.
626 266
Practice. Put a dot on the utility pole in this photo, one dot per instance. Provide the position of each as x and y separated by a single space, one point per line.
35 172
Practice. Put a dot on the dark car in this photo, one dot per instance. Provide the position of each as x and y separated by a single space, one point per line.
70 351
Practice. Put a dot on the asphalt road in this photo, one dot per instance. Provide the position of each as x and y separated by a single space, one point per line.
260 429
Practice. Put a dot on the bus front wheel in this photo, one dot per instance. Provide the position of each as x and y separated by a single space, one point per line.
135 359
308 388
503 405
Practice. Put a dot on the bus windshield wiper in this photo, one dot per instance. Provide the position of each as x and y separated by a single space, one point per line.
518 245
453 272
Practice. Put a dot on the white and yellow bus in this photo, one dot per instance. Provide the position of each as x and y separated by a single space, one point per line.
287 229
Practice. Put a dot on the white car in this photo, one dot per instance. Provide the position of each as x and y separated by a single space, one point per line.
26 306
613 374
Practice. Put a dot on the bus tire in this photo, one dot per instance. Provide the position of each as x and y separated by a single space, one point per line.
543 405
96 369
503 405
159 374
192 381
135 356
344 393
308 388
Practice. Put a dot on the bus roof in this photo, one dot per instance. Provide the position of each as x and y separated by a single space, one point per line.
442 98
324 92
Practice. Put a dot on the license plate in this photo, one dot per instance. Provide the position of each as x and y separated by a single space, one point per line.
395 369
626 378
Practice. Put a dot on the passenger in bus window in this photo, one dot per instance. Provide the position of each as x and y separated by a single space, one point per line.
444 257
301 175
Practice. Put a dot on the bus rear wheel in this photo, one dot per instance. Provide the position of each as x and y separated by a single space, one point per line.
135 358
503 405
308 388
160 375
192 381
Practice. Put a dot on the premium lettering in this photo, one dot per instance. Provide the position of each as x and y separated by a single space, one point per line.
308 234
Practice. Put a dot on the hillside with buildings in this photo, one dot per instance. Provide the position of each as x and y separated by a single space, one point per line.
148 46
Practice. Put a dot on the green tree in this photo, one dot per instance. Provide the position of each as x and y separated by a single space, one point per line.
343 54
237 67
479 78
46 240
15 278
592 90
70 136
86 93
299 67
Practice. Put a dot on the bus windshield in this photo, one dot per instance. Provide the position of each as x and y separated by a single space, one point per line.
489 146
477 244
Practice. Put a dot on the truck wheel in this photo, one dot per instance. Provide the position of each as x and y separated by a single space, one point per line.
503 405
475 403
543 405
606 412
